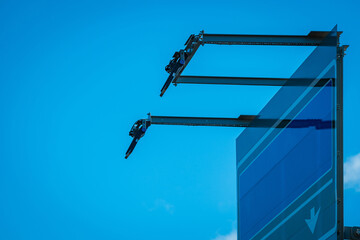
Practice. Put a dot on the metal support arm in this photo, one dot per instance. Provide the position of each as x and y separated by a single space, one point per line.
314 38
178 64
242 121
140 126
255 81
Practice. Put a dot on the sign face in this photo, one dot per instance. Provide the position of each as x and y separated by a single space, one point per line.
287 176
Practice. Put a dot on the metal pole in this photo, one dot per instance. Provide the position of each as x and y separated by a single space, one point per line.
339 141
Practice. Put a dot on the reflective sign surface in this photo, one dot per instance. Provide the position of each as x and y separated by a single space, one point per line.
287 176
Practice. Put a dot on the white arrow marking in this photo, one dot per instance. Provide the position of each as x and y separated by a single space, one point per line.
311 222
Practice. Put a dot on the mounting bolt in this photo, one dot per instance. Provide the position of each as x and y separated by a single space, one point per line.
352 233
356 232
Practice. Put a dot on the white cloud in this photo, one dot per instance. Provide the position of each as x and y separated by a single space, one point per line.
162 204
352 172
230 236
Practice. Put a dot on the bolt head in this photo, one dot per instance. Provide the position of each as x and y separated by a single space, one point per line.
357 232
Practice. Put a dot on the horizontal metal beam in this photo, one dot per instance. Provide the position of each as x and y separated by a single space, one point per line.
140 127
314 38
249 81
202 121
242 121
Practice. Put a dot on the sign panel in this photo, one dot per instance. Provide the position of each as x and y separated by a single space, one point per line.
287 176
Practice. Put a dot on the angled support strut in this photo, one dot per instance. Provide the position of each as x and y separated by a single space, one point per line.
182 58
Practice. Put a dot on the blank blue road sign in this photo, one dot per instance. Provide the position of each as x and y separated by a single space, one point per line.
287 176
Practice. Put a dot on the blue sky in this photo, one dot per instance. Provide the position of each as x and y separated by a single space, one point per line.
74 77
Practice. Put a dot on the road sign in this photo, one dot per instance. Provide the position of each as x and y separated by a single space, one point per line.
287 177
